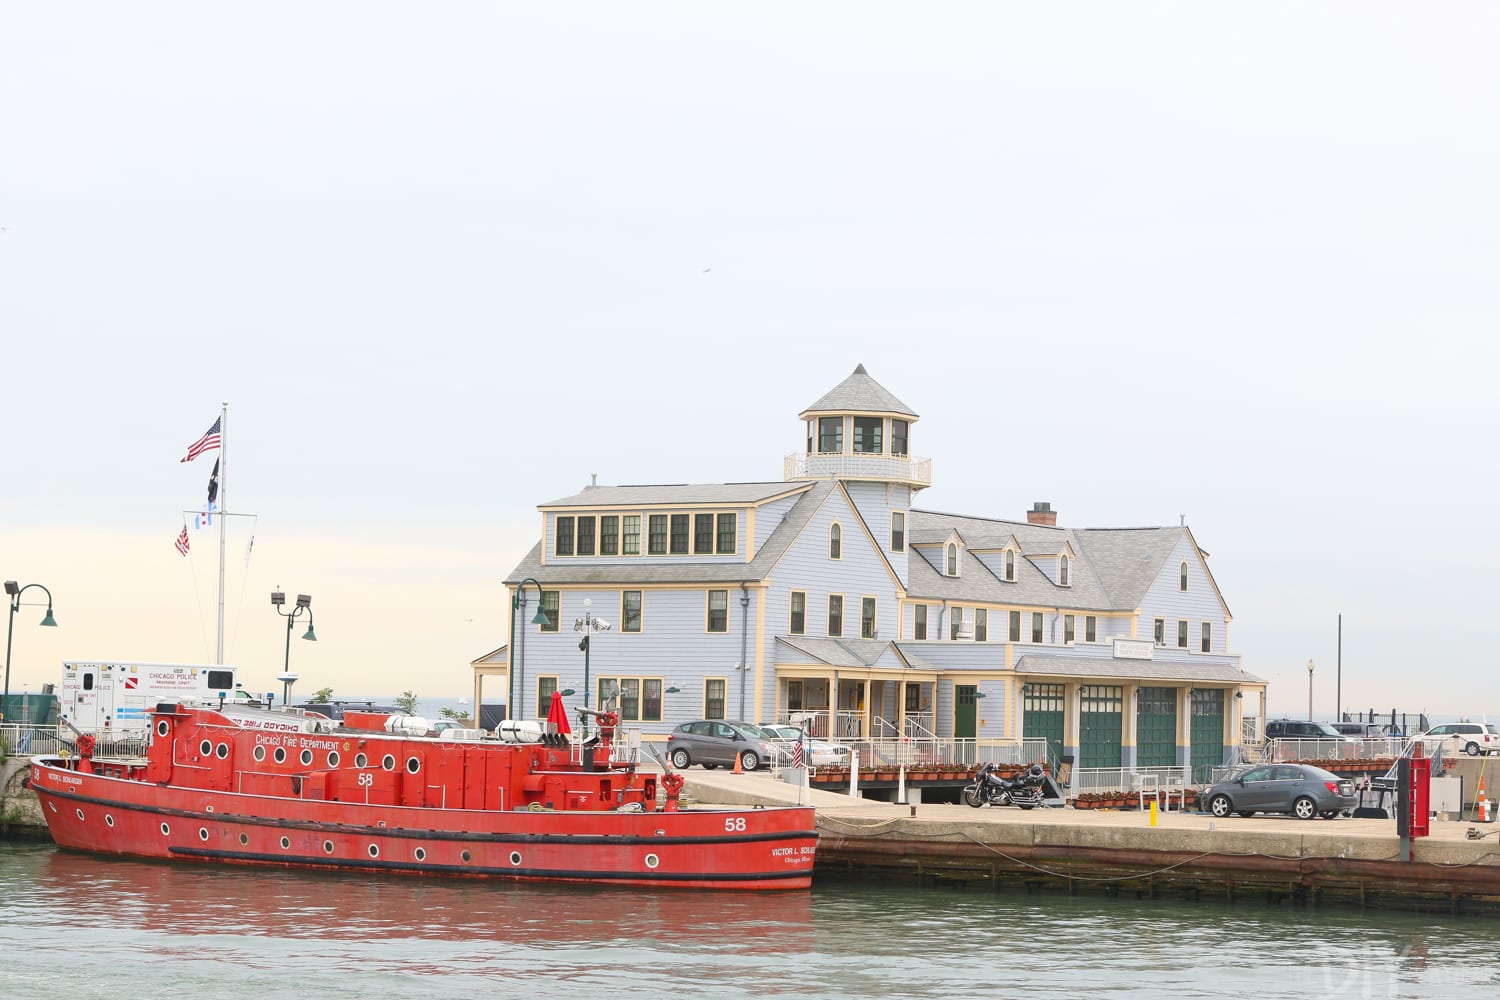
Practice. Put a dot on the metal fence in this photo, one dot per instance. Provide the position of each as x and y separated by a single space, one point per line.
1128 779
29 741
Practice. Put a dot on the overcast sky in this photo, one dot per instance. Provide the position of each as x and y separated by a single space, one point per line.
446 261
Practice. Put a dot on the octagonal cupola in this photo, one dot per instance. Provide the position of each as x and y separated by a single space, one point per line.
859 431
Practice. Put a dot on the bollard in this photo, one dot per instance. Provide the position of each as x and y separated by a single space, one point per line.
1153 812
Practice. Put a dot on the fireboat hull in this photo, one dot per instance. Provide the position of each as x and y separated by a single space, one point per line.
695 848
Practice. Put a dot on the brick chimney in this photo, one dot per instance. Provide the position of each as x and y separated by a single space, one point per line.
1041 512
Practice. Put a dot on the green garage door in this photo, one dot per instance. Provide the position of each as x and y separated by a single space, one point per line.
1042 715
1100 722
1208 731
1156 727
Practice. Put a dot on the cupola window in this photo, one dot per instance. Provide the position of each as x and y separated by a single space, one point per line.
867 435
830 435
899 430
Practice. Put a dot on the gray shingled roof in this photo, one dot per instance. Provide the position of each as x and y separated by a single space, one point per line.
854 653
1134 670
683 569
675 493
859 393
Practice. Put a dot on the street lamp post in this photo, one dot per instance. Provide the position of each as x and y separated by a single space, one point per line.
518 606
15 591
588 625
304 603
1309 689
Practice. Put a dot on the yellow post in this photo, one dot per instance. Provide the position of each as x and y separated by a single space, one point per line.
1153 812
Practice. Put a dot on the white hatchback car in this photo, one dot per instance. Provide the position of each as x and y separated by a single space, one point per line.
820 753
1472 738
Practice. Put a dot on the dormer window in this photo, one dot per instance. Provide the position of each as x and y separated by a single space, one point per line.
1062 571
1010 565
1182 577
830 435
835 542
952 567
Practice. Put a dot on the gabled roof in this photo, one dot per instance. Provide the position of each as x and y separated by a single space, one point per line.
854 653
677 493
859 393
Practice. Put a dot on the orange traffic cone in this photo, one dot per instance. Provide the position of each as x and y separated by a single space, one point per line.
738 769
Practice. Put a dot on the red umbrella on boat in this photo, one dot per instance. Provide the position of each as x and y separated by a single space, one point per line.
557 714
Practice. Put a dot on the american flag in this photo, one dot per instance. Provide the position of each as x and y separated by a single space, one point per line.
797 753
182 541
208 442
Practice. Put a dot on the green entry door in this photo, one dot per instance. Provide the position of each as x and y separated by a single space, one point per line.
1208 731
1042 716
965 721
1156 727
1100 722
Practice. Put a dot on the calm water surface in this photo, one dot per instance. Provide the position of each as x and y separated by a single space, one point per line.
77 926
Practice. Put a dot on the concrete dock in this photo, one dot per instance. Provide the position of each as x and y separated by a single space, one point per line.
1186 854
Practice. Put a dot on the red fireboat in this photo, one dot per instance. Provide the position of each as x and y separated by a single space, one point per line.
233 787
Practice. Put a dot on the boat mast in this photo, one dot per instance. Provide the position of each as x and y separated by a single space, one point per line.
223 512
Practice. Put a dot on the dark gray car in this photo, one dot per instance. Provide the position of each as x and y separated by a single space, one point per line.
716 743
1300 789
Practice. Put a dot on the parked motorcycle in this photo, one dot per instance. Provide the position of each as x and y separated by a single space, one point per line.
990 789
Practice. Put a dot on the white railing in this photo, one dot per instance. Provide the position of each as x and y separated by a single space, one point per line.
1129 779
900 468
1330 749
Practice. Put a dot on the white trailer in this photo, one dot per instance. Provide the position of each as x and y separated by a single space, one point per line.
111 698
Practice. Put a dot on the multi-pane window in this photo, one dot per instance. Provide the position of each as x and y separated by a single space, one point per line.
1182 627
1062 571
656 535
1015 626
798 624
981 625
1208 637
631 535
728 530
898 531
835 615
545 685
1090 628
1159 631
637 699
713 697
718 611
551 600
1182 577
920 626
867 435
630 611
830 435
1036 626
867 618
956 623
1068 633
564 546
679 537
1010 565
609 535
585 536
835 542
703 534
898 437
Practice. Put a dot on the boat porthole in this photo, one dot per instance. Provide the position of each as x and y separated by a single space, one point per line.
166 831
515 857
285 843
109 820
221 751
260 753
465 857
388 762
327 847
652 861
79 812
360 760
206 748
280 755
374 850
333 758
162 728
413 765
305 757
208 808
421 854
244 839
203 833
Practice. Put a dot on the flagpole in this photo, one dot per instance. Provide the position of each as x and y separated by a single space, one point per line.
223 510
